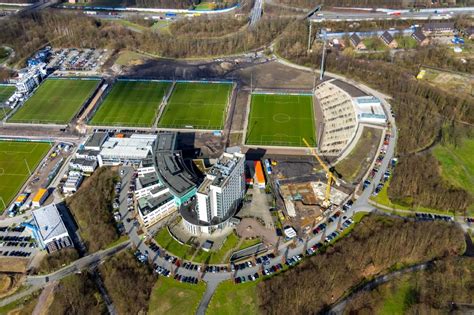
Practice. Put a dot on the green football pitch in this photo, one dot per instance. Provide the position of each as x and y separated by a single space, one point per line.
5 92
56 101
196 105
131 103
281 120
15 158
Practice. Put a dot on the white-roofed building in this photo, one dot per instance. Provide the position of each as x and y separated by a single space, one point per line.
74 180
49 229
132 150
369 110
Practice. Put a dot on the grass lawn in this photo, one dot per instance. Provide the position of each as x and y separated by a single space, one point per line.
406 42
217 257
131 103
4 112
249 242
205 6
55 101
396 301
457 164
130 58
100 3
120 240
13 170
230 299
164 239
354 165
196 105
6 91
374 43
172 297
282 120
24 305
132 26
162 26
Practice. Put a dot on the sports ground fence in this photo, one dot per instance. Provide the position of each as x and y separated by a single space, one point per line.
11 139
55 123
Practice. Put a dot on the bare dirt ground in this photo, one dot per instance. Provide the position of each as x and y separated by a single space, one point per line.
16 265
273 75
240 112
45 299
10 283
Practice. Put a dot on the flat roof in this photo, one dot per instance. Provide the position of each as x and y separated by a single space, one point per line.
349 88
96 139
170 166
136 147
219 173
84 162
41 192
147 205
49 222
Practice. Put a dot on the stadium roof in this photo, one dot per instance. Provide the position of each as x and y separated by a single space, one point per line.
49 222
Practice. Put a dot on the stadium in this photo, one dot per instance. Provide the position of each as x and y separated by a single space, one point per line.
281 119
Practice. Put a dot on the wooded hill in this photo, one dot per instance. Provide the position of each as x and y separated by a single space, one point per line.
376 245
77 295
128 282
91 206
432 291
29 33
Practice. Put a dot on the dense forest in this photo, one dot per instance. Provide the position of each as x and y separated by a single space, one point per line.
206 27
425 114
56 260
377 244
77 295
92 209
29 33
128 282
432 291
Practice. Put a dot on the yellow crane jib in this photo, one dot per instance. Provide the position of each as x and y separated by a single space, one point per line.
329 174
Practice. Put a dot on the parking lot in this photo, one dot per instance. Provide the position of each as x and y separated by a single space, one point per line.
71 59
16 242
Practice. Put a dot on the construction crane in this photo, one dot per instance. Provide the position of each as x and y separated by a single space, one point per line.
329 174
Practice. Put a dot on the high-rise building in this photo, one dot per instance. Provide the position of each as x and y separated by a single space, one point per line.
219 195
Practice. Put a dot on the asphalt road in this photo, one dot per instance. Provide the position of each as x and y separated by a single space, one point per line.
256 13
38 282
445 13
